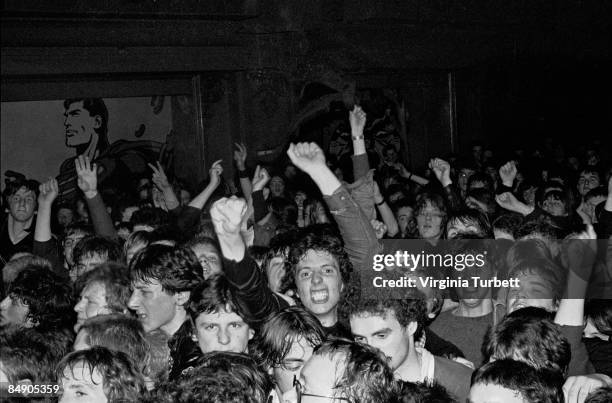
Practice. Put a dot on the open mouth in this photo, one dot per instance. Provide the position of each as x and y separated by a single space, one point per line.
320 296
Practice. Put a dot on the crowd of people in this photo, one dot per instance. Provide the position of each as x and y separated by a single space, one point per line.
258 288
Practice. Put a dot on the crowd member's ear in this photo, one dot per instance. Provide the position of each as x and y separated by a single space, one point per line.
411 328
97 122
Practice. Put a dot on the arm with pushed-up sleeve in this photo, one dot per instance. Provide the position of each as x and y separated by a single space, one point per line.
87 180
360 240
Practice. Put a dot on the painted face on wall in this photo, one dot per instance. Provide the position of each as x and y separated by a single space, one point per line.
79 125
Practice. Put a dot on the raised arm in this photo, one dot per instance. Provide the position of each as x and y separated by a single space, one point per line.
260 180
385 212
48 193
87 180
215 172
44 242
161 181
255 297
404 173
507 173
442 170
240 157
360 240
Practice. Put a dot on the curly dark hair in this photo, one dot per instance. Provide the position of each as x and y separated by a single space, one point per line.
534 386
116 280
120 380
321 238
363 374
529 335
212 295
176 269
412 309
48 297
276 336
107 248
221 377
14 186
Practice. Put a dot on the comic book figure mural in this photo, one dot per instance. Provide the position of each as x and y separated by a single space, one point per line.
86 129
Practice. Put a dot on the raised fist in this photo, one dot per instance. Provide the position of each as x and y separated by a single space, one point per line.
357 119
507 173
306 156
441 169
215 172
227 215
260 179
48 191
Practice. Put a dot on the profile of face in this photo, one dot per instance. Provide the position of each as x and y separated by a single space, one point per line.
492 393
22 204
154 307
14 312
429 222
533 291
70 241
209 259
80 384
319 378
405 220
292 364
384 333
80 126
222 331
319 284
92 303
277 186
587 181
65 216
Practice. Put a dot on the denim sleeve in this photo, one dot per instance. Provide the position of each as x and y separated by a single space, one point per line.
360 240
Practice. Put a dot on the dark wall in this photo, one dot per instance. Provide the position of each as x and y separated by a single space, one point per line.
519 69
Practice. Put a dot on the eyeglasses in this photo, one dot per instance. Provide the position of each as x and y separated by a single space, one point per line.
300 393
